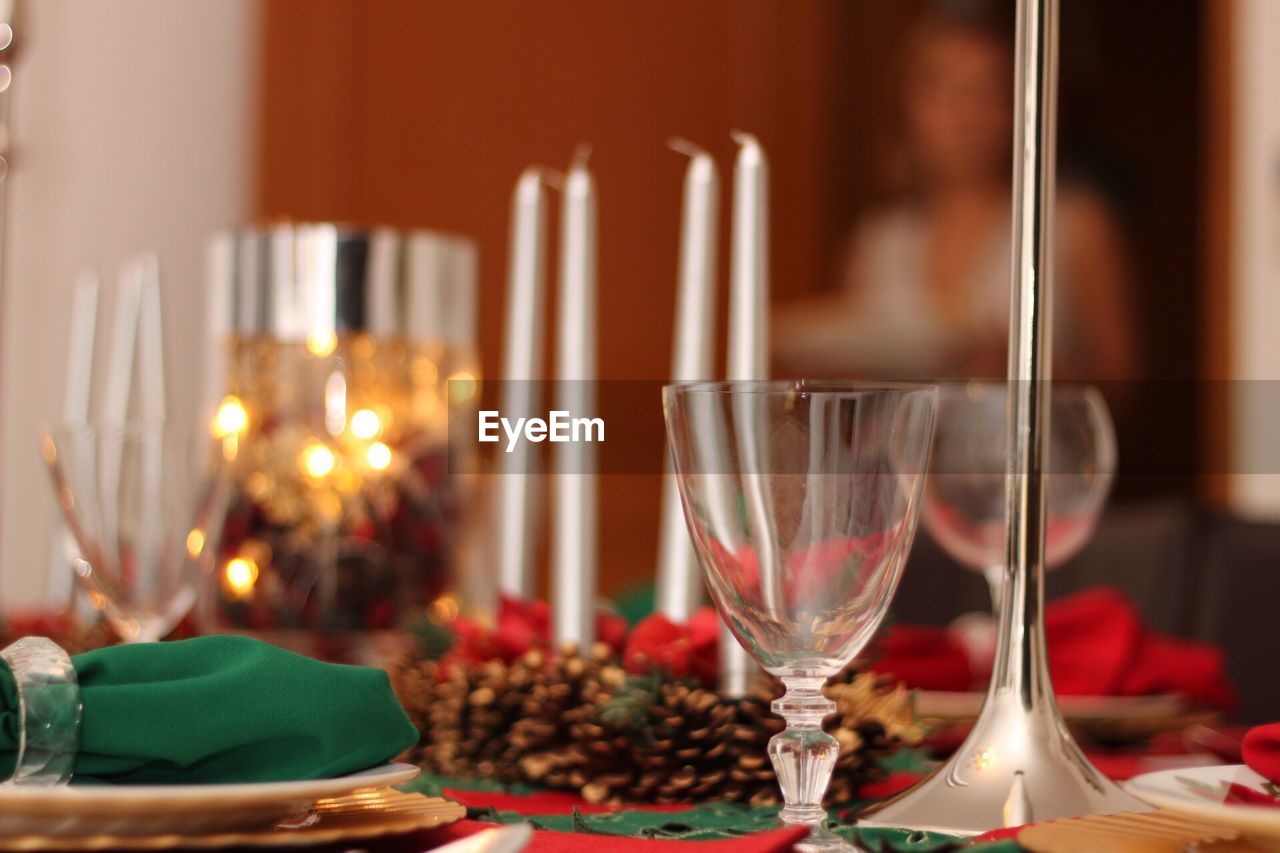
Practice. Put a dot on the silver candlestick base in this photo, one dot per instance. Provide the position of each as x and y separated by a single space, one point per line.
1018 765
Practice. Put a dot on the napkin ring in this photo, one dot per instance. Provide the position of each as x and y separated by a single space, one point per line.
49 711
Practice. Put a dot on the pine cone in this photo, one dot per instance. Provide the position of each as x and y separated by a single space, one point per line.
581 723
464 715
655 741
559 694
698 747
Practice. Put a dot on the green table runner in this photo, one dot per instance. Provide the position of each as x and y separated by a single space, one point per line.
702 822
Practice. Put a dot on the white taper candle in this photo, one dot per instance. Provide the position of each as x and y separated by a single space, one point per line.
153 407
679 586
573 533
748 334
522 363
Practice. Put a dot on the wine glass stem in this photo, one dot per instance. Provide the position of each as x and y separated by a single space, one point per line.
803 754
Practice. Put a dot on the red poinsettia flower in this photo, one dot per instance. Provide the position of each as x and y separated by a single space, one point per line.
683 651
523 625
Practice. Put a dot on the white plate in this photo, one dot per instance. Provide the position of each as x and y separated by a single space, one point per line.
1203 792
79 810
937 704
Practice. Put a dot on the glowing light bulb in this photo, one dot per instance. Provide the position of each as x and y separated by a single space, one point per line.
445 608
317 460
321 344
366 424
195 542
231 419
240 574
378 456
462 386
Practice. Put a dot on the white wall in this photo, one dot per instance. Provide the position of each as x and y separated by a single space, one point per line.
1256 258
133 129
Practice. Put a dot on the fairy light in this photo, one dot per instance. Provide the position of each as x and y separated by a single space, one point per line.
240 575
231 417
195 542
321 344
378 456
445 608
366 424
317 460
462 386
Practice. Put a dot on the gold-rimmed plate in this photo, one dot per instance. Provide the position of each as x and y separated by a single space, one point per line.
149 810
359 817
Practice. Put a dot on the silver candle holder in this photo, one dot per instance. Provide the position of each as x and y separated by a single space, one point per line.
1020 764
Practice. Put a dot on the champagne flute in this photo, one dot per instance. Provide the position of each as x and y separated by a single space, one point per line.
145 511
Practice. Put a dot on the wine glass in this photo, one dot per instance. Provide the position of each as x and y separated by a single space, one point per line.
964 505
801 499
145 508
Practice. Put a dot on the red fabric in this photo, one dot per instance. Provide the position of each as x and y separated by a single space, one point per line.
1186 667
924 657
543 803
1004 834
774 841
1093 636
1119 765
1241 794
899 780
1261 750
1098 646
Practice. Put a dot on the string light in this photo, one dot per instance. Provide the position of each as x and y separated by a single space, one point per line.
445 608
321 344
366 424
231 418
317 460
378 456
240 575
462 386
195 542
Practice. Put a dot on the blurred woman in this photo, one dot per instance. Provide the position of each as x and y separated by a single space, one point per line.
924 284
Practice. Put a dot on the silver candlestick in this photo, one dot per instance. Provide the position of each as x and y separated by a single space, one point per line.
1020 764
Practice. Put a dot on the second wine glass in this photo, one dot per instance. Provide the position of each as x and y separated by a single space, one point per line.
964 506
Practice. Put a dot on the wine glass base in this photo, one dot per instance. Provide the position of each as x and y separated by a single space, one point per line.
1017 766
823 840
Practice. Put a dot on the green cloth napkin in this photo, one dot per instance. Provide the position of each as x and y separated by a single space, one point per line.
222 709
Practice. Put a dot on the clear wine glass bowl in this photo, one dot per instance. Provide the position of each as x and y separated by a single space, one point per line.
145 507
802 500
964 506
